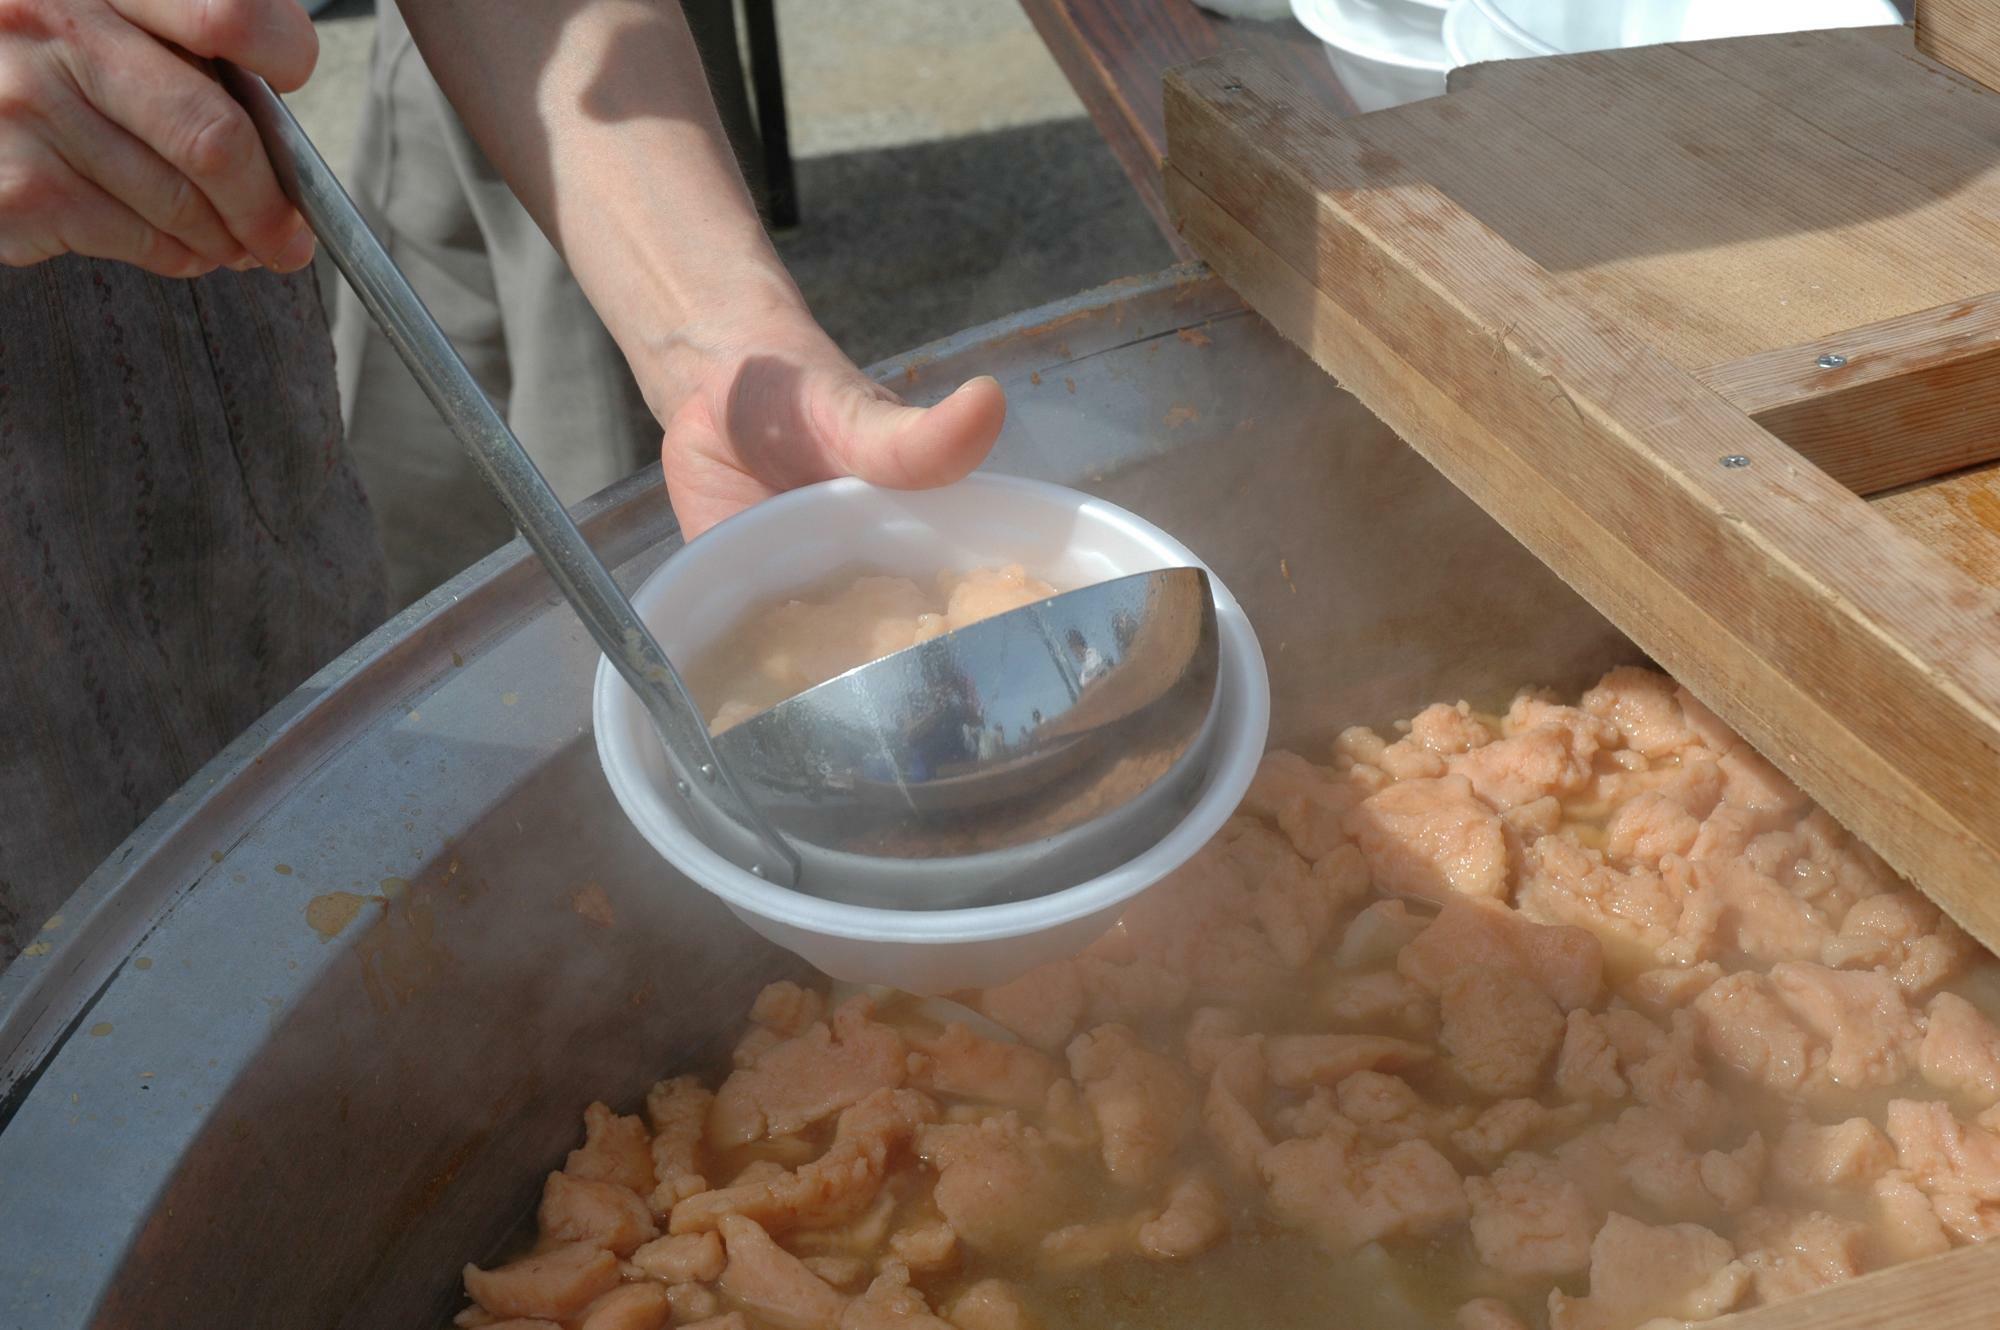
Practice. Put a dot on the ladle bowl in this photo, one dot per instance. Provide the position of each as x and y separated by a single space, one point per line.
1011 758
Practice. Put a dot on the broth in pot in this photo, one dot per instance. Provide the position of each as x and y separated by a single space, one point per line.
1579 1017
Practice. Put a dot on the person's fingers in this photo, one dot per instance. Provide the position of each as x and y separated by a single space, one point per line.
887 443
274 38
141 179
706 489
179 110
48 209
789 424
824 425
100 227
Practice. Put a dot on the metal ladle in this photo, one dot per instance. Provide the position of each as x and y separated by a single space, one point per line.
1018 756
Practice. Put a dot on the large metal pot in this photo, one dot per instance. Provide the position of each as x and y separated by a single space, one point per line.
308 1041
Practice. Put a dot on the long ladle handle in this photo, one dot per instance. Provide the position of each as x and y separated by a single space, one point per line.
578 573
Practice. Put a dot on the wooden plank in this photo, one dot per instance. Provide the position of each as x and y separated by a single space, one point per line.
1863 663
1956 515
1885 405
1725 245
1952 1291
1861 87
1114 52
1106 52
1285 46
1964 34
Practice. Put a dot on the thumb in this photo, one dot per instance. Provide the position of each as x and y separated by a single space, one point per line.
881 440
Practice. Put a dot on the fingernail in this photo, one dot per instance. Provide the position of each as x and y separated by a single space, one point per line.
241 263
297 253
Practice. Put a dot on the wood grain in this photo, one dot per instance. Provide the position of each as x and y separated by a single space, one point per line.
1114 53
1957 515
1788 192
1964 34
1953 1291
1910 398
1863 662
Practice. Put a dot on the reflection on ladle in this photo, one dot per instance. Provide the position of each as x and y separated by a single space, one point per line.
1013 757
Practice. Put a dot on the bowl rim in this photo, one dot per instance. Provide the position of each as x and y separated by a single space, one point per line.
1244 686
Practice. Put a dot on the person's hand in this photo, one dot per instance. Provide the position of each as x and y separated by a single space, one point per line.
117 142
769 407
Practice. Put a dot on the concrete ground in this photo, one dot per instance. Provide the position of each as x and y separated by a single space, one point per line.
946 173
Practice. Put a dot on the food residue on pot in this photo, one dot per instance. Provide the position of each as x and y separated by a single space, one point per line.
593 905
332 911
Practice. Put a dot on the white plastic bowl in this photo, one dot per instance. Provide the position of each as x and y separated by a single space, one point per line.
1554 27
799 539
1384 52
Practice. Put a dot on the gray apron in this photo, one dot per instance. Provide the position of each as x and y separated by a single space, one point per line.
182 540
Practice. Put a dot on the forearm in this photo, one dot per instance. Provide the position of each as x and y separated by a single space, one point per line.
598 114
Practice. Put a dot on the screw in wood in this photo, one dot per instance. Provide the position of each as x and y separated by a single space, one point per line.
1832 360
1736 461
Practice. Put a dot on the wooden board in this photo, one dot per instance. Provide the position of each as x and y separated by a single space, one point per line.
1964 34
1876 407
1954 1291
1114 51
1788 193
1789 201
1537 338
1958 515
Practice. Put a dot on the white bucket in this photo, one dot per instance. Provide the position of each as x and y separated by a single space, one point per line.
1471 39
1556 27
1384 52
797 540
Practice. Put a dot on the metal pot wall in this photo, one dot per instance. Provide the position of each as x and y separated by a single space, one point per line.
309 1041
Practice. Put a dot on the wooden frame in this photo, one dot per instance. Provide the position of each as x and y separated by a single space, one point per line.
1669 314
1114 51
